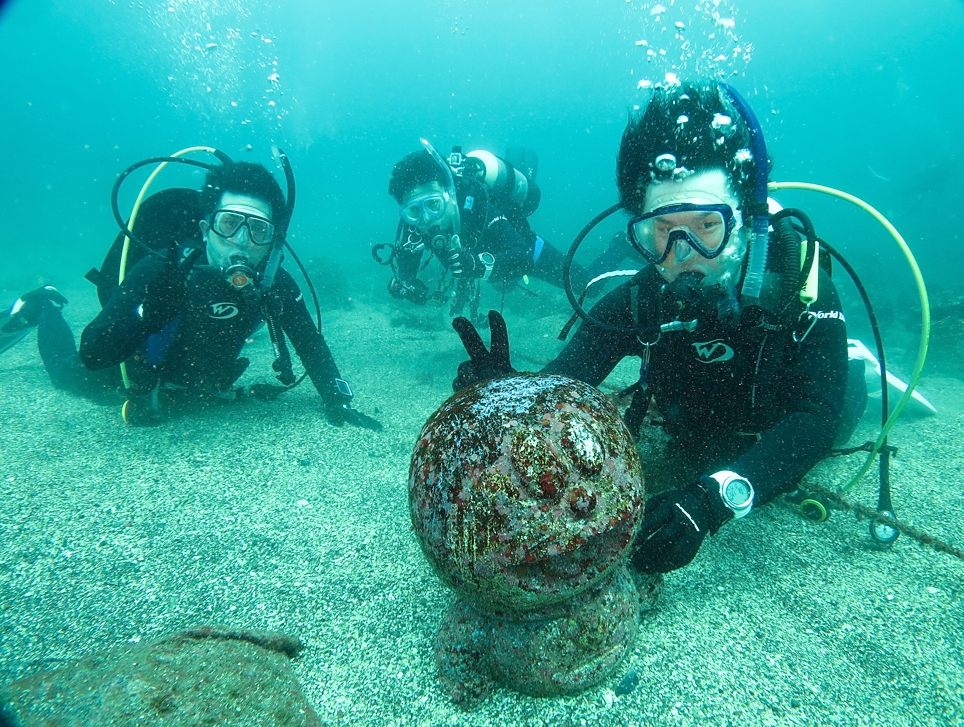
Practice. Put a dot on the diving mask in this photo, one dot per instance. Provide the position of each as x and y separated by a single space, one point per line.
227 223
424 210
705 228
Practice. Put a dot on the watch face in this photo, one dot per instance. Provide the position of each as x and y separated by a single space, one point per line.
737 493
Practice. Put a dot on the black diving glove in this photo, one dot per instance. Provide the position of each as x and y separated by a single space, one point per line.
675 524
463 264
338 407
415 291
267 392
341 413
482 364
166 294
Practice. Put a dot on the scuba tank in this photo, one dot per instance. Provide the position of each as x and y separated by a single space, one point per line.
511 184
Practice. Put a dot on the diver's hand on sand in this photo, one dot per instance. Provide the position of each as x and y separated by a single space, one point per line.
267 392
483 363
675 524
340 414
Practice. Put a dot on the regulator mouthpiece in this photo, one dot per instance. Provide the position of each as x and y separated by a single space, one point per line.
239 273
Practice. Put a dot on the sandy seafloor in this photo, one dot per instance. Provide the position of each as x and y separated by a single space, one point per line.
113 534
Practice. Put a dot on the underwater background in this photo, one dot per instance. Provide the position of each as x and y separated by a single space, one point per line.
264 516
862 96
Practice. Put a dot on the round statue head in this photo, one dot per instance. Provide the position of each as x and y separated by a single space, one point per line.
525 491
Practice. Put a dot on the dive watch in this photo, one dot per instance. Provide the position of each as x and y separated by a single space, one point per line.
735 491
488 262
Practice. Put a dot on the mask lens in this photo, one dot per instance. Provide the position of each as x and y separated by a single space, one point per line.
412 213
226 223
433 205
426 208
261 230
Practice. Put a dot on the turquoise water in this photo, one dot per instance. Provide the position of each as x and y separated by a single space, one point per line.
111 534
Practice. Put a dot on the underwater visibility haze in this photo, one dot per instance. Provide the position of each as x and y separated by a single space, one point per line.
263 517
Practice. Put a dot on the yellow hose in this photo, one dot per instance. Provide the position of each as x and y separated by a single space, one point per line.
122 269
925 310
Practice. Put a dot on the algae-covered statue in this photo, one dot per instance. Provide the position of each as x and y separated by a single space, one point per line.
526 493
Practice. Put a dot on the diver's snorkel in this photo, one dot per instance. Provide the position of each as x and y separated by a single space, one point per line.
760 236
453 243
281 228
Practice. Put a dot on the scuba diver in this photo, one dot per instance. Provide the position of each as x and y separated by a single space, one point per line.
209 275
742 347
471 213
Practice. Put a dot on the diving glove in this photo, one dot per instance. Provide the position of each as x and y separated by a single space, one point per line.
462 263
415 291
338 407
483 363
340 414
674 527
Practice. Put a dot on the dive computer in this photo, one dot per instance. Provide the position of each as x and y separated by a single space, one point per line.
488 261
735 491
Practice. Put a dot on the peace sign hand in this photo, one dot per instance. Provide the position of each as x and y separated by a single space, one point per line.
482 364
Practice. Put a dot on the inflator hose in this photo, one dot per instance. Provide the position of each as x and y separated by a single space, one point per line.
925 311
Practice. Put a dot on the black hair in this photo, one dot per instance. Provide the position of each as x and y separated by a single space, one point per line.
246 178
416 168
698 124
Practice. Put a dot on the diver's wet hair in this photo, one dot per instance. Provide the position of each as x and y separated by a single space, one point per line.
416 168
246 178
696 123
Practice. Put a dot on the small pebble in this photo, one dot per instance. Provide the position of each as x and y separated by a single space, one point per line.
627 684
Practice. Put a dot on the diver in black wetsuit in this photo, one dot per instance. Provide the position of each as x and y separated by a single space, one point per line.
178 326
471 213
750 384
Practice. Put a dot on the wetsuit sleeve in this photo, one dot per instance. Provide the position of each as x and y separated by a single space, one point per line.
117 331
309 344
815 382
593 352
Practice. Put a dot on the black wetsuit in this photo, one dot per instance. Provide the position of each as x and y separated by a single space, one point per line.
486 228
198 351
742 398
